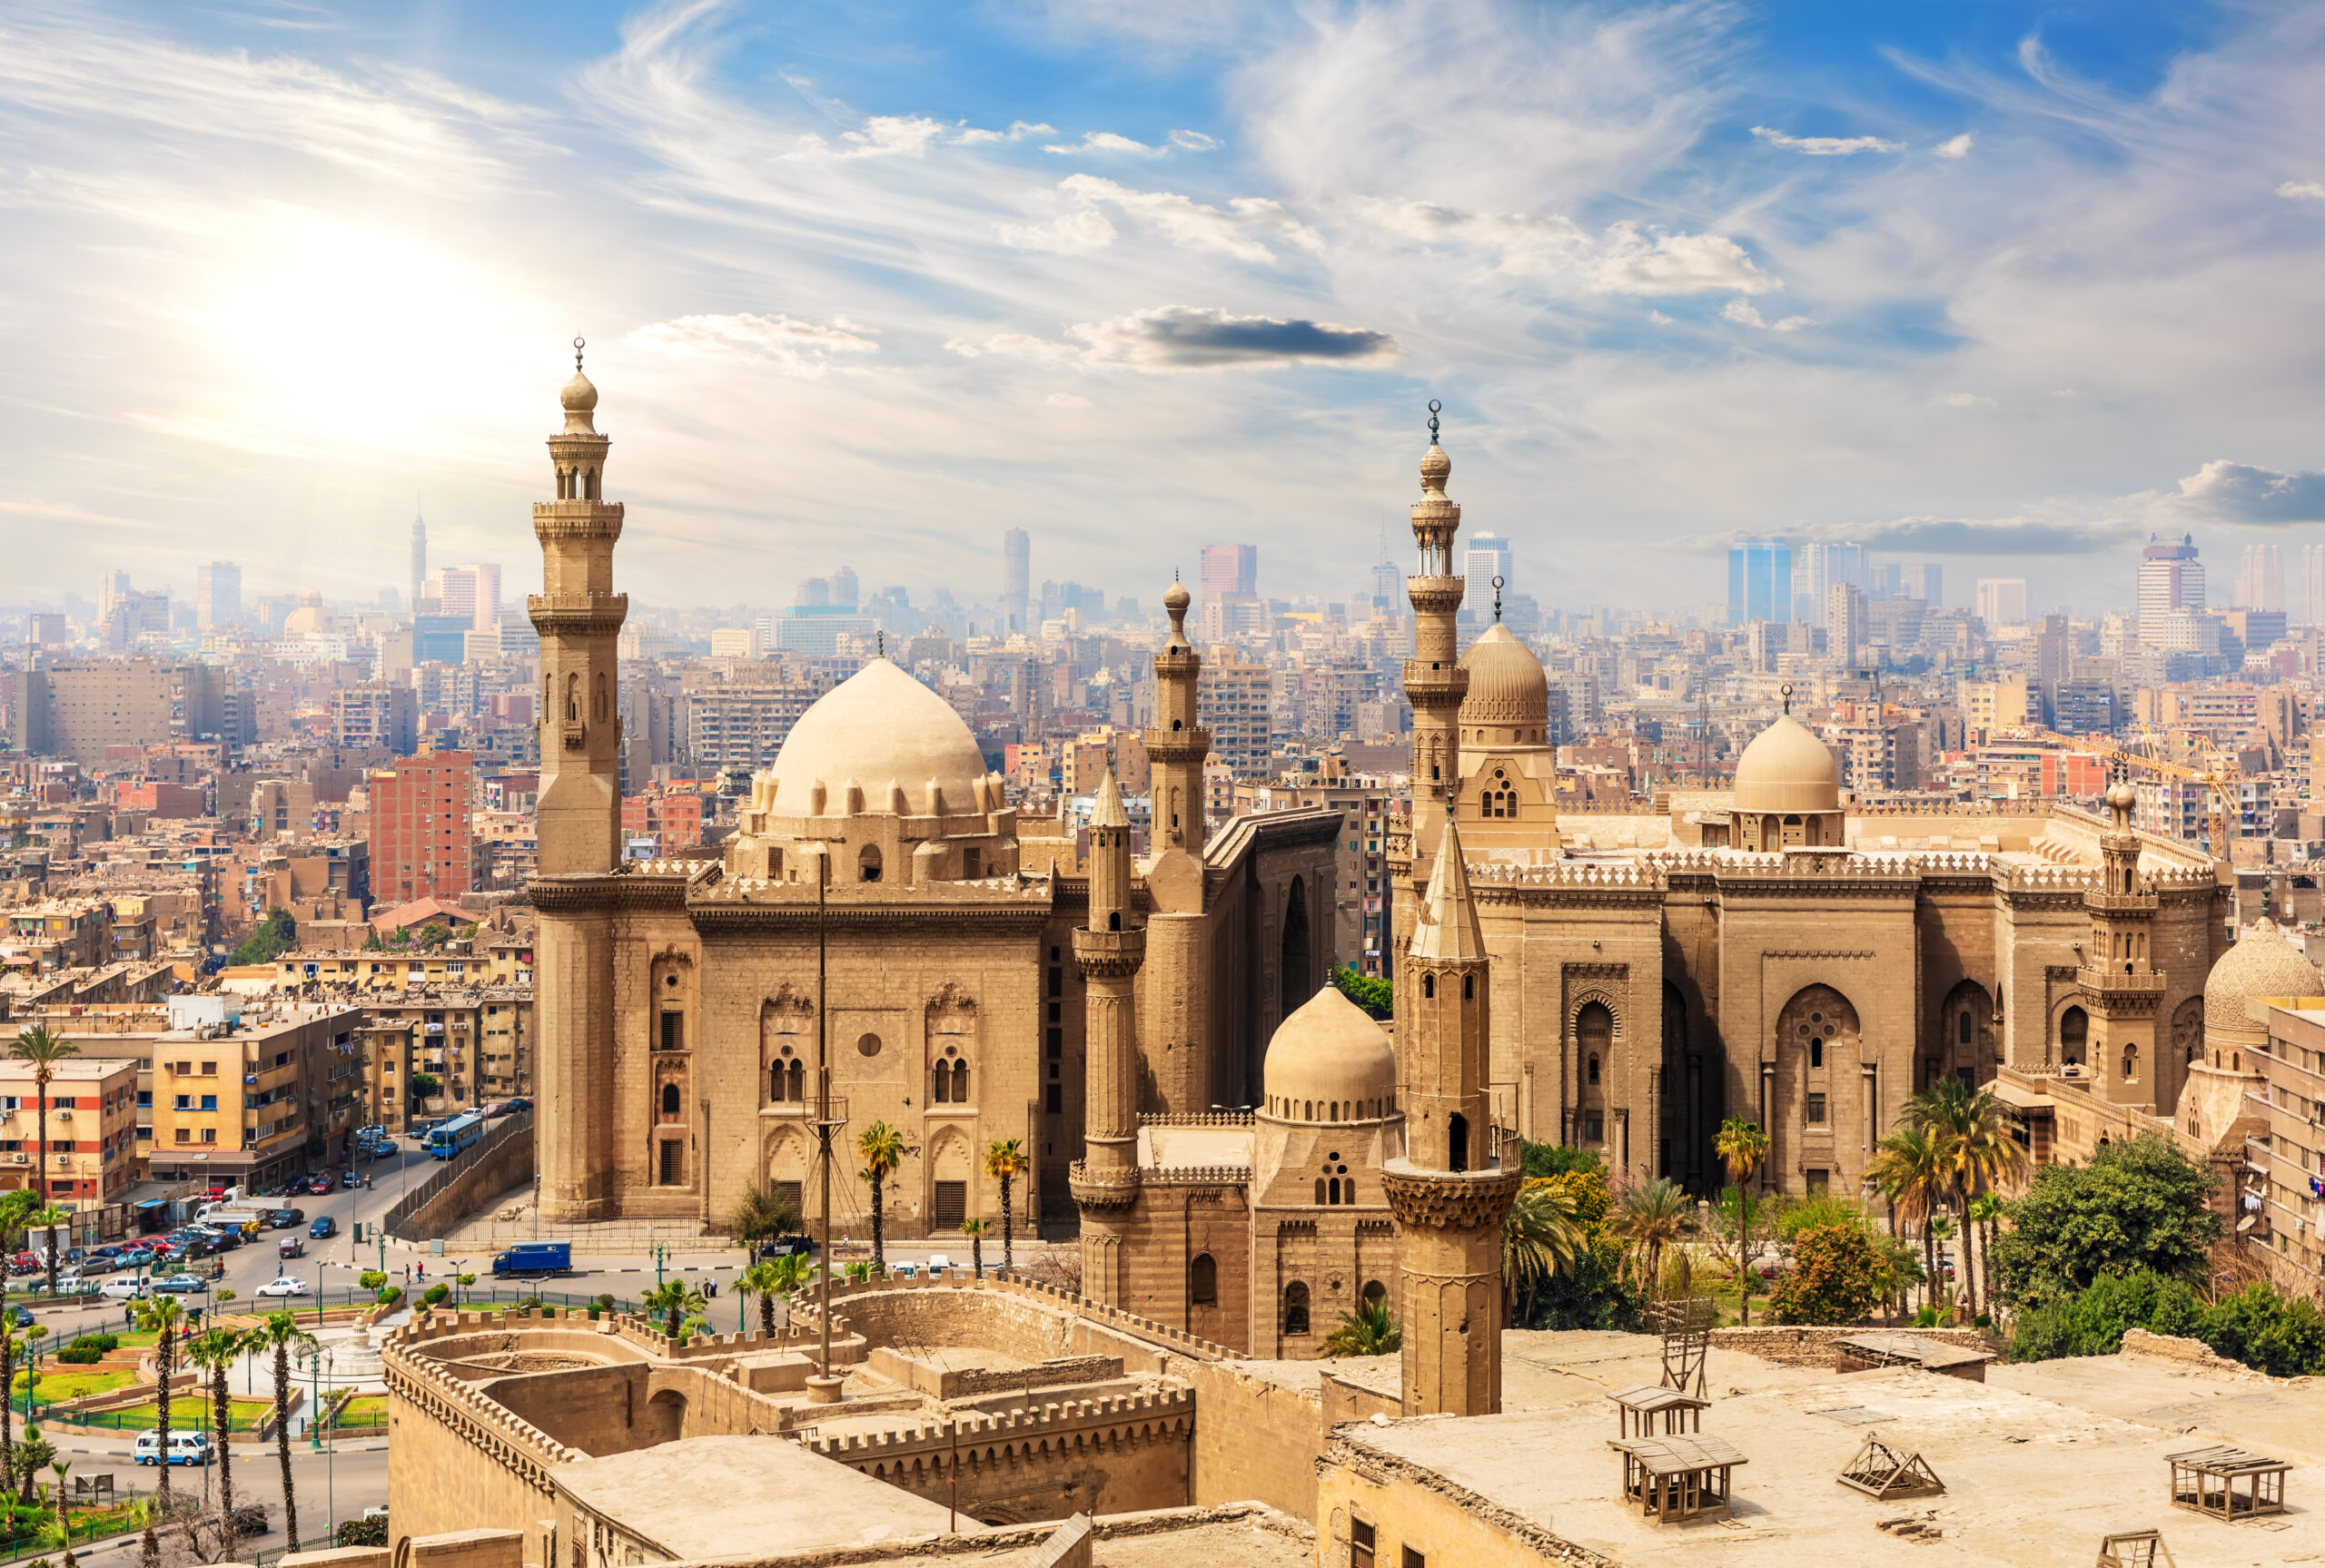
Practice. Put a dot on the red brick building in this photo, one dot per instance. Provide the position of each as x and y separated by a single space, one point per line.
423 839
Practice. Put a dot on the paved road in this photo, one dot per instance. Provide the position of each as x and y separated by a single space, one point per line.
332 1484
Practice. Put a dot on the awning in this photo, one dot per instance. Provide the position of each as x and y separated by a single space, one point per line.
2013 1094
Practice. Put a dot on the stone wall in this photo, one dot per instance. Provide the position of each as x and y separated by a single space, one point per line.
1797 1347
478 1176
1407 1504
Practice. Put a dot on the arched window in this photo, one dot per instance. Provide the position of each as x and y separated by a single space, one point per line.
573 699
1202 1281
1458 1150
2074 1030
960 1083
1319 1192
1333 1189
867 864
2131 1064
1962 1032
799 1076
1428 986
1375 1293
1113 920
940 1086
1469 987
1593 1068
600 713
1815 1050
1295 1307
669 1101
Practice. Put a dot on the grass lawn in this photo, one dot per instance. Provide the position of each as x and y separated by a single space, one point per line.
188 1413
365 1409
61 1385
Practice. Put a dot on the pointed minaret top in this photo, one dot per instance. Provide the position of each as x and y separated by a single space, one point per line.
579 399
1436 468
1175 600
1446 926
1108 810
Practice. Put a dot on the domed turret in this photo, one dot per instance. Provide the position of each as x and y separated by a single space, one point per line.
1509 699
1328 1062
878 723
1787 791
579 399
2264 962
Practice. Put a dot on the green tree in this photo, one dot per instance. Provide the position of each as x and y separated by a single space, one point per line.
974 1229
216 1350
11 1348
1742 1148
762 1213
1909 1169
423 1085
43 1050
1986 1215
32 1455
1836 1276
1367 1331
1558 1159
1004 1161
1374 994
882 1148
2091 1321
163 1315
2139 1203
272 936
759 1280
2260 1328
674 1300
1541 1237
48 1220
61 1468
1972 1148
280 1333
1649 1219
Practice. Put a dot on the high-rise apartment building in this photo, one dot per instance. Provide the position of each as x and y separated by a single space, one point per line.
2313 585
378 714
2001 601
217 594
111 588
2170 581
1230 569
1816 568
78 710
1484 558
1759 581
419 560
423 841
1927 582
1016 578
1844 622
2261 579
1234 706
470 594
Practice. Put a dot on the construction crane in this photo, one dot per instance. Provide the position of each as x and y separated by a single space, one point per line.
2223 812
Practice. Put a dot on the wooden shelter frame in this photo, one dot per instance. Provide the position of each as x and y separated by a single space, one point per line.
2136 1549
1652 1410
1678 1479
2203 1481
1684 1324
1883 1472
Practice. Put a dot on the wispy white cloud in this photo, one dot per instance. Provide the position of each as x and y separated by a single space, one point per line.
798 348
1953 147
1743 314
1193 142
1103 142
2301 190
1633 264
1830 146
1074 233
2240 493
1235 230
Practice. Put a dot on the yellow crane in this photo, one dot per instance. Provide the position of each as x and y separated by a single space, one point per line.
2220 818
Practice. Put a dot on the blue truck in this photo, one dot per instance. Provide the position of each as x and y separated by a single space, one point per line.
535 1257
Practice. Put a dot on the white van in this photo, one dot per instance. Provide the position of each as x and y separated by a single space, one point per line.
185 1448
122 1287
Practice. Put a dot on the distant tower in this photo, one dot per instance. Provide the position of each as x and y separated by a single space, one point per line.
1177 1032
1448 1192
2122 990
1105 1181
1016 578
418 559
1435 682
578 818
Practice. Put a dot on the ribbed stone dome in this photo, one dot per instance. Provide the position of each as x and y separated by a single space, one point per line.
1507 686
2264 962
879 725
1329 1054
1785 770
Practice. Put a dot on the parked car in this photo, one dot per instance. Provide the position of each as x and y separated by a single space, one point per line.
284 1285
137 1257
348 1178
518 1104
123 1290
185 1448
183 1284
319 1183
324 1226
284 1219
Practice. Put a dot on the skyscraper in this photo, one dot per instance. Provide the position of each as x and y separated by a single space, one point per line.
2171 580
1926 583
111 588
2261 580
2001 601
419 560
2313 583
1759 581
1230 569
1844 622
217 594
1016 578
1488 555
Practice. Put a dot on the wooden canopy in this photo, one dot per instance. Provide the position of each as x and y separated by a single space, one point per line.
2206 1481
1674 1479
1643 1408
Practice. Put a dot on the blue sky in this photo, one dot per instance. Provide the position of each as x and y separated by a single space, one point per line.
2005 285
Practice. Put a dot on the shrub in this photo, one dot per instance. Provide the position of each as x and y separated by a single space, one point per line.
1836 1277
81 1353
360 1533
1375 996
1559 1158
435 1293
2282 1337
371 1280
391 1295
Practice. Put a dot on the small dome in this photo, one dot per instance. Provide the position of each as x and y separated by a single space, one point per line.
1328 1053
2264 962
1436 468
878 723
1785 770
1176 598
1507 686
579 396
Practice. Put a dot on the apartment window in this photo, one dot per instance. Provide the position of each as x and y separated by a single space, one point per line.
1414 1559
209 1135
185 1102
208 1069
185 1134
209 1103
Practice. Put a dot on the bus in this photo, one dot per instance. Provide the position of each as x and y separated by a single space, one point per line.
452 1137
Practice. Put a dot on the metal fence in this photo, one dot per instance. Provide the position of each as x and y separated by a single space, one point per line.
518 1126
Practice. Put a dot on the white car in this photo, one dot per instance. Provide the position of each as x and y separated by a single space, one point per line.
123 1288
284 1285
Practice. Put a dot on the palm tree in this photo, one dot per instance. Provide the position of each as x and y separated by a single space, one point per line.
792 1272
1650 1219
883 1149
280 1332
758 1280
1742 1149
1905 1168
676 1299
1541 1237
974 1229
45 1050
61 1468
1367 1331
162 1315
1985 1213
32 1453
1974 1150
10 1348
1004 1159
1941 1232
51 1217
216 1350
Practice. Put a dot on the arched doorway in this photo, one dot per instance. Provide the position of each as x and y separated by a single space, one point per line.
1963 1043
2075 1037
1594 1071
1818 1113
1296 972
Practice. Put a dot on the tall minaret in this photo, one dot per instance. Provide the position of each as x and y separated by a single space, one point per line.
1435 682
2122 989
1176 1044
1105 1181
1448 1191
578 616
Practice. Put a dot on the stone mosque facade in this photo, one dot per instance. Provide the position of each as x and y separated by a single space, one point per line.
1772 952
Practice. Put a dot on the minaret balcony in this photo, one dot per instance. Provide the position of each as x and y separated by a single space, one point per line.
1110 954
2140 904
1178 745
578 615
1435 596
2113 981
1431 684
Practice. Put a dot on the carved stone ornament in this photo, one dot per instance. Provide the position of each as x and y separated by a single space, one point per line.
1450 1200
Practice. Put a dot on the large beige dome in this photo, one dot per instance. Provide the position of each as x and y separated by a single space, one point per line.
2261 963
1786 770
1507 686
876 727
1330 1062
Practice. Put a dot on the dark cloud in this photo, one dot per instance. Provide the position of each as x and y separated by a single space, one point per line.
2240 493
1182 337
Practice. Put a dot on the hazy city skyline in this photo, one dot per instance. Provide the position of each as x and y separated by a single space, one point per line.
2005 290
